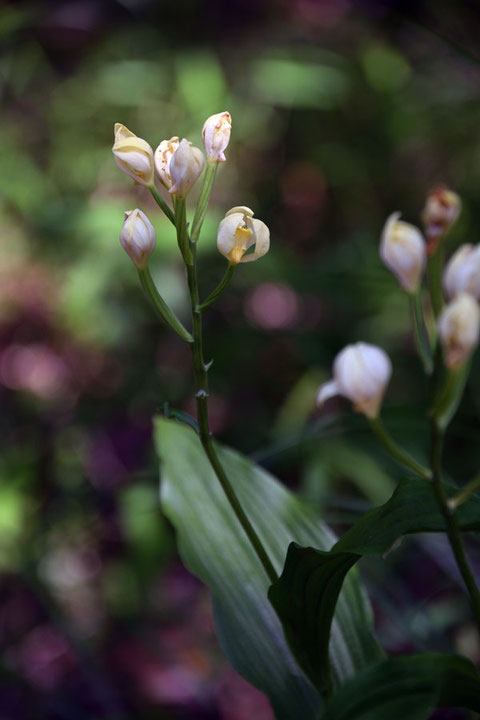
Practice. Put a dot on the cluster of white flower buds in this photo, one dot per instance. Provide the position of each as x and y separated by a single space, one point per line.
178 165
404 251
361 372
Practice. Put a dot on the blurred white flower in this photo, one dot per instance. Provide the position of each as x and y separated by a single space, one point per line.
462 273
441 209
403 250
458 329
361 373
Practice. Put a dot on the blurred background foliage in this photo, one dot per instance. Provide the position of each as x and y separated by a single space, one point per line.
343 112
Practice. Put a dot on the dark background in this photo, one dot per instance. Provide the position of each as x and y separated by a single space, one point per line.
343 112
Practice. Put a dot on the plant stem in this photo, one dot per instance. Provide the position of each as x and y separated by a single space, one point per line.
182 234
421 337
201 395
465 493
434 271
395 450
202 204
447 400
222 285
453 531
165 312
163 205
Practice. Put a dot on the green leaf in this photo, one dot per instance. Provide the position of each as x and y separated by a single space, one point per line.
214 547
305 595
409 686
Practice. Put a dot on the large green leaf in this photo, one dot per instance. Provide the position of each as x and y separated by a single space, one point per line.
215 548
409 687
305 596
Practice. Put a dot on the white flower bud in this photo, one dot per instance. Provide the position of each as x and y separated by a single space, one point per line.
138 237
133 155
186 166
163 158
216 136
403 250
361 373
441 209
239 231
458 329
462 273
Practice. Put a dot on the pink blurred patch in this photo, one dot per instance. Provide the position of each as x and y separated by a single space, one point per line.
272 306
44 657
319 13
34 368
238 700
27 289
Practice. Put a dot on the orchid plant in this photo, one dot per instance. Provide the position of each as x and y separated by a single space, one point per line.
290 611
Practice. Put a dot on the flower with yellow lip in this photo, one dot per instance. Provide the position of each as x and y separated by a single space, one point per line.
239 231
133 156
163 158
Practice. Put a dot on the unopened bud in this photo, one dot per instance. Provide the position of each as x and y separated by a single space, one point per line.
441 209
361 373
402 249
216 136
458 329
462 273
239 231
133 155
163 158
186 166
138 237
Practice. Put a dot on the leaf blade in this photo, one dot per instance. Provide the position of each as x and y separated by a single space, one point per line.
407 686
213 546
318 575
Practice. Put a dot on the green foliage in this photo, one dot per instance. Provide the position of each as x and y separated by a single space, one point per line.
214 547
407 687
306 594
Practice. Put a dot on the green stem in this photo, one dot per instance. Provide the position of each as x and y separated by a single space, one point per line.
202 204
453 531
182 234
165 312
447 400
201 395
222 285
421 336
395 450
163 205
465 493
434 272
